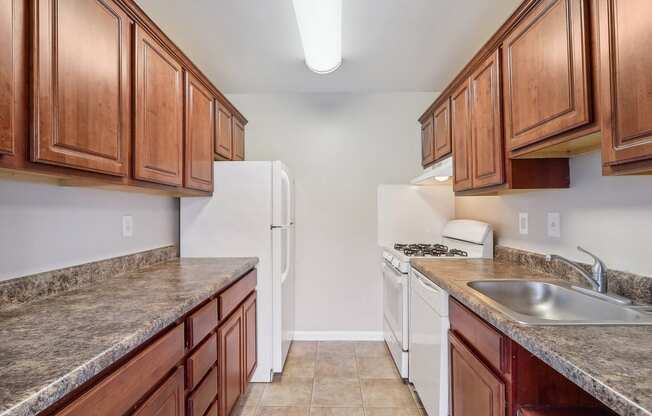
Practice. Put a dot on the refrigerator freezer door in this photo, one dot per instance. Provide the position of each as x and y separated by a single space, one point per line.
283 195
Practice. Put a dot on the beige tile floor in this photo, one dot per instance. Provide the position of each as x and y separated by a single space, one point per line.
333 379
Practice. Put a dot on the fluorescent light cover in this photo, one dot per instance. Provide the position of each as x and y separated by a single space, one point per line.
320 28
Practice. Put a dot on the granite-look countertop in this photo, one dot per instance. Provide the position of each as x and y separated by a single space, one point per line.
612 363
51 346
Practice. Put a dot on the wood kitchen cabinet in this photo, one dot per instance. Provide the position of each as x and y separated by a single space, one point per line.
167 400
461 138
12 71
223 132
625 33
200 133
546 73
238 139
250 345
427 140
230 338
82 96
442 145
158 142
475 390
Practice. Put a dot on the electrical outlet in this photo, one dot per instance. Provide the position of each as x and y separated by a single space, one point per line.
554 224
523 223
127 226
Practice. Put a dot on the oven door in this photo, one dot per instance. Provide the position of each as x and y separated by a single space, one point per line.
395 294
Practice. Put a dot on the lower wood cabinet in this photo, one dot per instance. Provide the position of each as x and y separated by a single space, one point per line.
475 390
250 347
230 339
167 400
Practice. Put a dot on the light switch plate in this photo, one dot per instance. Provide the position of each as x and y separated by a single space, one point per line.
554 225
523 223
127 226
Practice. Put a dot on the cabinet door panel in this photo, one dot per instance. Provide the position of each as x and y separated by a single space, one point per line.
230 351
442 130
486 124
475 390
224 139
625 30
427 139
546 73
461 138
9 42
82 89
200 130
250 343
158 152
167 400
238 140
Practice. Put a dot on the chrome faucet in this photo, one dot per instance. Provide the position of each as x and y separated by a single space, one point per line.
598 276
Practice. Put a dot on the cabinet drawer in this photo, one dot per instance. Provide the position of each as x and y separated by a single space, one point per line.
119 391
201 323
205 394
234 295
482 337
167 400
201 361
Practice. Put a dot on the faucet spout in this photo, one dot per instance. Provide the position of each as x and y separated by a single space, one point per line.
597 279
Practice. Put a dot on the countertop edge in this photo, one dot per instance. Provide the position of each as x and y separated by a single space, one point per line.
602 392
61 387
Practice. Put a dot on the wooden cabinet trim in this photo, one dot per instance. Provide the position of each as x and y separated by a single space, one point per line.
576 109
199 137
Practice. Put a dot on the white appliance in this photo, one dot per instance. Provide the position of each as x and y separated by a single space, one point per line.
428 343
251 213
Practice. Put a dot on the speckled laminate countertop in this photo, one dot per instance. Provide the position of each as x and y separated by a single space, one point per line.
612 363
51 346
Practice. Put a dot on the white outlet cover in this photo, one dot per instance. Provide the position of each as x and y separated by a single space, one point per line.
554 225
523 223
127 226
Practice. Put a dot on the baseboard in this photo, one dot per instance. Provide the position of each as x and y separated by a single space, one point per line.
338 335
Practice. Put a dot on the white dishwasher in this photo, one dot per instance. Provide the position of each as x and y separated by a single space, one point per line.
429 343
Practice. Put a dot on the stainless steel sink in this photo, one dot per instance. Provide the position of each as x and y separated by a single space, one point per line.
546 303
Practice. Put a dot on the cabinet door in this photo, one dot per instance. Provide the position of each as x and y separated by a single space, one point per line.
167 400
442 130
10 41
158 147
461 138
625 33
474 389
82 88
486 124
250 343
238 140
200 130
427 148
230 350
546 73
224 132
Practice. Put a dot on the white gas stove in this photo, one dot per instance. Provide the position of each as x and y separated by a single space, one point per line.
461 239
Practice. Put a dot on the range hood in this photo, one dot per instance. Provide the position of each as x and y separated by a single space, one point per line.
437 174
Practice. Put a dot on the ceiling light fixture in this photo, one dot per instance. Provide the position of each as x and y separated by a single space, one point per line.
320 28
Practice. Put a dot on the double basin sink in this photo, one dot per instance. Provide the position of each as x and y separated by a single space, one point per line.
548 303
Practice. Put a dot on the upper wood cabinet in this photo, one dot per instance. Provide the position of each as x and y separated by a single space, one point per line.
230 362
461 137
200 132
442 131
10 42
158 146
238 140
546 75
81 88
486 124
625 33
427 140
224 132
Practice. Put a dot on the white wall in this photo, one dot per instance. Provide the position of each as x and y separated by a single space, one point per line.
340 148
45 227
610 216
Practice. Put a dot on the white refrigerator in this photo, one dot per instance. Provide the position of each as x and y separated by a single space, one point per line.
251 214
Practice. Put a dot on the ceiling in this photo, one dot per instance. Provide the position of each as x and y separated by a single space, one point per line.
253 46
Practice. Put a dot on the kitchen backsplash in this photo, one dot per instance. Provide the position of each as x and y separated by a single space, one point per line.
630 285
42 285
